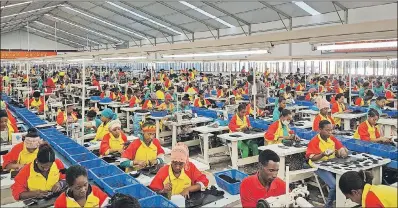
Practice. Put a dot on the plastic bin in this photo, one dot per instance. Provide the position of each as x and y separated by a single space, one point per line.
62 140
82 157
158 113
93 163
393 164
137 191
156 201
95 98
98 173
358 145
115 182
233 189
245 97
382 150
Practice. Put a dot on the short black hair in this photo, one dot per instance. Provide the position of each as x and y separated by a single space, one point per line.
365 84
339 95
323 123
91 114
267 155
285 112
341 83
241 107
74 172
32 132
372 113
36 94
123 201
353 180
45 154
381 98
280 99
3 114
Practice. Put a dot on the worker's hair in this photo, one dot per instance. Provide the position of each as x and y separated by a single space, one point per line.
158 87
3 114
32 132
148 123
45 154
285 112
323 123
365 84
241 107
129 91
341 83
91 114
281 99
123 201
288 89
36 94
381 98
372 113
338 96
267 155
74 172
353 180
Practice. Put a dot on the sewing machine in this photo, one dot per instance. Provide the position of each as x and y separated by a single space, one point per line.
296 198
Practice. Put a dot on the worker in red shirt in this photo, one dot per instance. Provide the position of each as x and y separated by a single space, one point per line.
145 151
339 107
365 100
279 130
136 99
369 131
67 116
11 118
114 140
201 101
23 153
358 187
6 128
50 83
80 193
264 183
96 83
181 177
323 106
41 177
322 147
37 102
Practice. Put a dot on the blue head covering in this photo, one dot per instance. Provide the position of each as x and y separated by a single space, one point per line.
108 113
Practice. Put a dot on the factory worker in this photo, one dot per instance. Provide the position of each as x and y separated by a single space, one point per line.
150 103
201 101
11 118
116 95
167 83
231 100
107 115
145 151
265 183
95 83
173 92
322 147
323 106
240 122
167 104
91 122
363 89
339 107
220 92
183 105
181 177
358 187
136 99
379 88
113 141
6 127
278 109
67 116
80 193
250 110
41 177
369 131
37 102
339 88
378 105
365 100
106 92
159 92
147 93
301 86
389 94
311 94
119 200
50 83
127 97
279 130
24 152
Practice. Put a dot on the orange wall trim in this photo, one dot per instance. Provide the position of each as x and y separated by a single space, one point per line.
25 54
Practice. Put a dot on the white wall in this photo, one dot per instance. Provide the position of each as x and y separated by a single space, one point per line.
19 40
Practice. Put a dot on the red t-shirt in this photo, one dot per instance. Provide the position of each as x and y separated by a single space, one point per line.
251 190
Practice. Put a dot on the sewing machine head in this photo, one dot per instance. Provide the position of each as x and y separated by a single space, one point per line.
296 198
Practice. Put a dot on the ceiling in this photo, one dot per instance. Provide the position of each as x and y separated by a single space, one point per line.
120 21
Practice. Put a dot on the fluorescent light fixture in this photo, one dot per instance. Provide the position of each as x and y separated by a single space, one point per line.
37 61
207 14
124 58
35 10
13 5
83 28
30 28
306 7
390 44
79 60
105 22
143 17
71 34
228 53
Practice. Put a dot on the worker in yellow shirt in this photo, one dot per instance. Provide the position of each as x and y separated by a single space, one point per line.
107 115
159 93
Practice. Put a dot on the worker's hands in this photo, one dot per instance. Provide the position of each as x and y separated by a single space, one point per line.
386 140
328 152
167 188
347 111
41 194
244 128
154 162
342 152
120 151
56 188
140 164
185 193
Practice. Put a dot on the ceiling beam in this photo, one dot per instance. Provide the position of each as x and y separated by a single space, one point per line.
48 38
90 28
275 9
134 19
111 22
188 15
157 17
226 12
339 5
